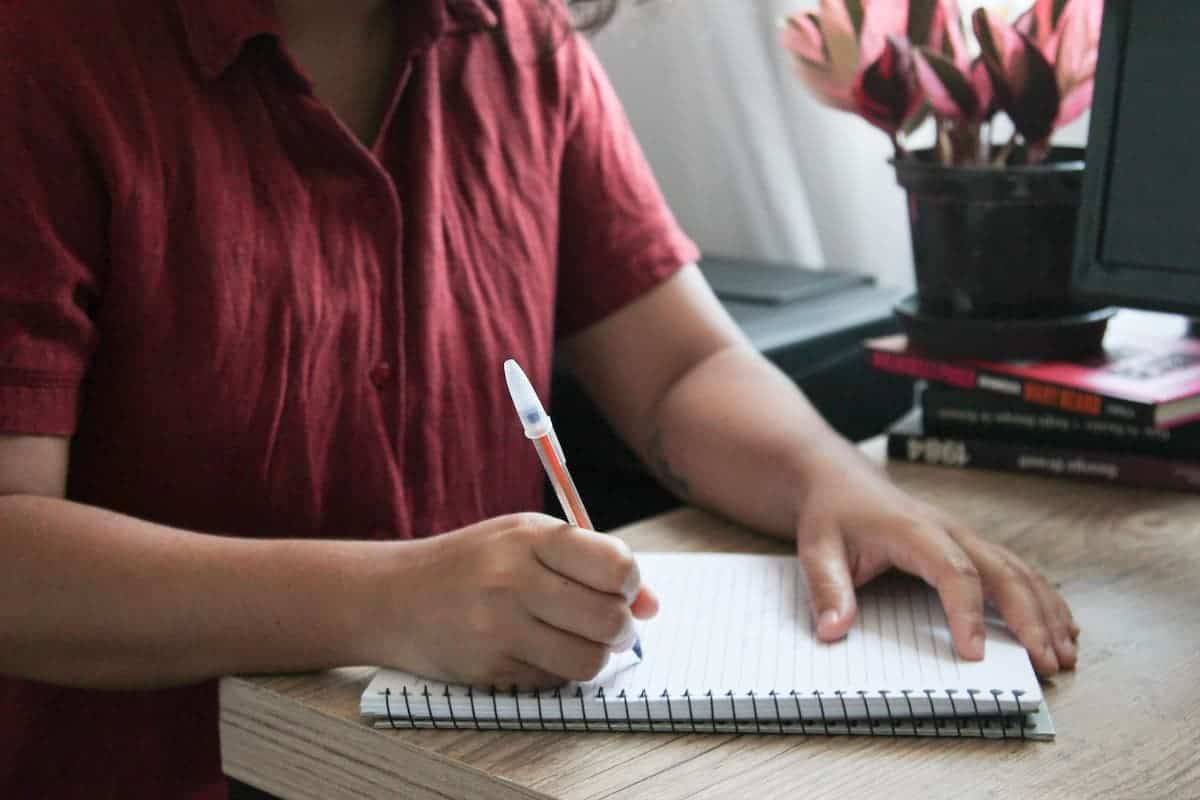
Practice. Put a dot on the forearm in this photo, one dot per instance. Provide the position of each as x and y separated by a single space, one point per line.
98 599
735 435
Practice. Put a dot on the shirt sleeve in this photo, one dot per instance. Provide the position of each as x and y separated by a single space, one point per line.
617 237
51 241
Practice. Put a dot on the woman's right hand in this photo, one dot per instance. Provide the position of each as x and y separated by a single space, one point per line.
522 600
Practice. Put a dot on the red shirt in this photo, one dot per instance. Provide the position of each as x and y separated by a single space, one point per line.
252 324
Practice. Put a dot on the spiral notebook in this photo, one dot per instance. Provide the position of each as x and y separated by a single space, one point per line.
734 650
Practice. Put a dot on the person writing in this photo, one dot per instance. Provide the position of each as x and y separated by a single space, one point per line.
262 263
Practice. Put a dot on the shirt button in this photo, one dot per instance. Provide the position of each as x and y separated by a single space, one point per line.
381 374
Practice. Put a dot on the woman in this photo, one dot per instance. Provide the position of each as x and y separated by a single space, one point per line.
262 264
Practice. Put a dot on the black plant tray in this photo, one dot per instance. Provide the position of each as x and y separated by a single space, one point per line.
1064 336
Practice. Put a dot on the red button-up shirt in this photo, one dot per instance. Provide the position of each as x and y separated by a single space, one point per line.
252 324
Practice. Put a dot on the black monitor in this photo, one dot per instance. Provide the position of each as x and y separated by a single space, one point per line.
1138 240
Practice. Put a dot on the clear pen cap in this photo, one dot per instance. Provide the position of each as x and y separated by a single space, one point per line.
529 407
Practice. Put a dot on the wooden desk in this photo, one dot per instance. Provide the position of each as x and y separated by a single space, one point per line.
1128 720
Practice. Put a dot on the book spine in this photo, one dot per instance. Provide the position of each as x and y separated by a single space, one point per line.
1061 398
975 414
1124 469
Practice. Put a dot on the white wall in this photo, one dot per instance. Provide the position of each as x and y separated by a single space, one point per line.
750 162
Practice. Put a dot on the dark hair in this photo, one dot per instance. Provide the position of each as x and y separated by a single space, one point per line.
591 15
562 20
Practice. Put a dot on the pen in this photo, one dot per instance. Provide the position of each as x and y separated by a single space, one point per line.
540 431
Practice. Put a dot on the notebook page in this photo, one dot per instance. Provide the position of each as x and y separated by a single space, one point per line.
741 624
736 639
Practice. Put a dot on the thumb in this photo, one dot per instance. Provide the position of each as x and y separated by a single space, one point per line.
830 587
645 605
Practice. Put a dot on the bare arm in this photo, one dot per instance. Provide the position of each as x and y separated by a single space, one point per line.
98 599
719 425
95 598
725 429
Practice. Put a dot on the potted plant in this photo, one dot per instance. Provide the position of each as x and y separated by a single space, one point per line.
993 222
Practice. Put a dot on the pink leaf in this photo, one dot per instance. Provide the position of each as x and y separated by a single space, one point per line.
933 23
1074 102
829 91
945 32
955 45
1045 15
854 8
801 36
881 19
1026 22
1040 23
1022 78
922 21
841 41
1078 43
886 91
982 83
949 91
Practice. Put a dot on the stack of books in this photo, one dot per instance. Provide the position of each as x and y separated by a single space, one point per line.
1129 415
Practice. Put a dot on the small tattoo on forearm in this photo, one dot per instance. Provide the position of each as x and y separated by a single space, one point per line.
657 456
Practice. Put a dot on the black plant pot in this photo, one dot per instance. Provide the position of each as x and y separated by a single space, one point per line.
993 242
993 247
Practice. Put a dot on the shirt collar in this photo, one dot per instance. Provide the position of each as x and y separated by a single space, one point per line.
217 30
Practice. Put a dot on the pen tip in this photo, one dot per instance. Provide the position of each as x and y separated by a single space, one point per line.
637 648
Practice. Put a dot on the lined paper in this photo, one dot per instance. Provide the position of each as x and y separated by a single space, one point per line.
735 640
742 623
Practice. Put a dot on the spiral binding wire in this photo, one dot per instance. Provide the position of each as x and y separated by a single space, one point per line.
922 717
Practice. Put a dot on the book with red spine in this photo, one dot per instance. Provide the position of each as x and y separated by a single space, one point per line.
1154 382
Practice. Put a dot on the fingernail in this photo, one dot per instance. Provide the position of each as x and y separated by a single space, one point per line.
827 620
976 646
1068 646
1051 657
633 585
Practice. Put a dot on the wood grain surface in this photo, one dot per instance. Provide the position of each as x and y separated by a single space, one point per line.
1127 560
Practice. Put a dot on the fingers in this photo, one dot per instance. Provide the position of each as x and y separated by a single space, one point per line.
600 561
645 605
1021 608
830 587
588 585
574 608
1063 630
523 677
557 652
1035 613
930 552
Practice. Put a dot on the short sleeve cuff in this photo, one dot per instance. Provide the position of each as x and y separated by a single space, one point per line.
38 404
637 275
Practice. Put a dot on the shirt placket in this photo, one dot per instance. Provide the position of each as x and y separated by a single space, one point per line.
383 220
381 223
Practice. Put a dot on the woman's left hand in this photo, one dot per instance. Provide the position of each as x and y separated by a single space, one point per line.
853 524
